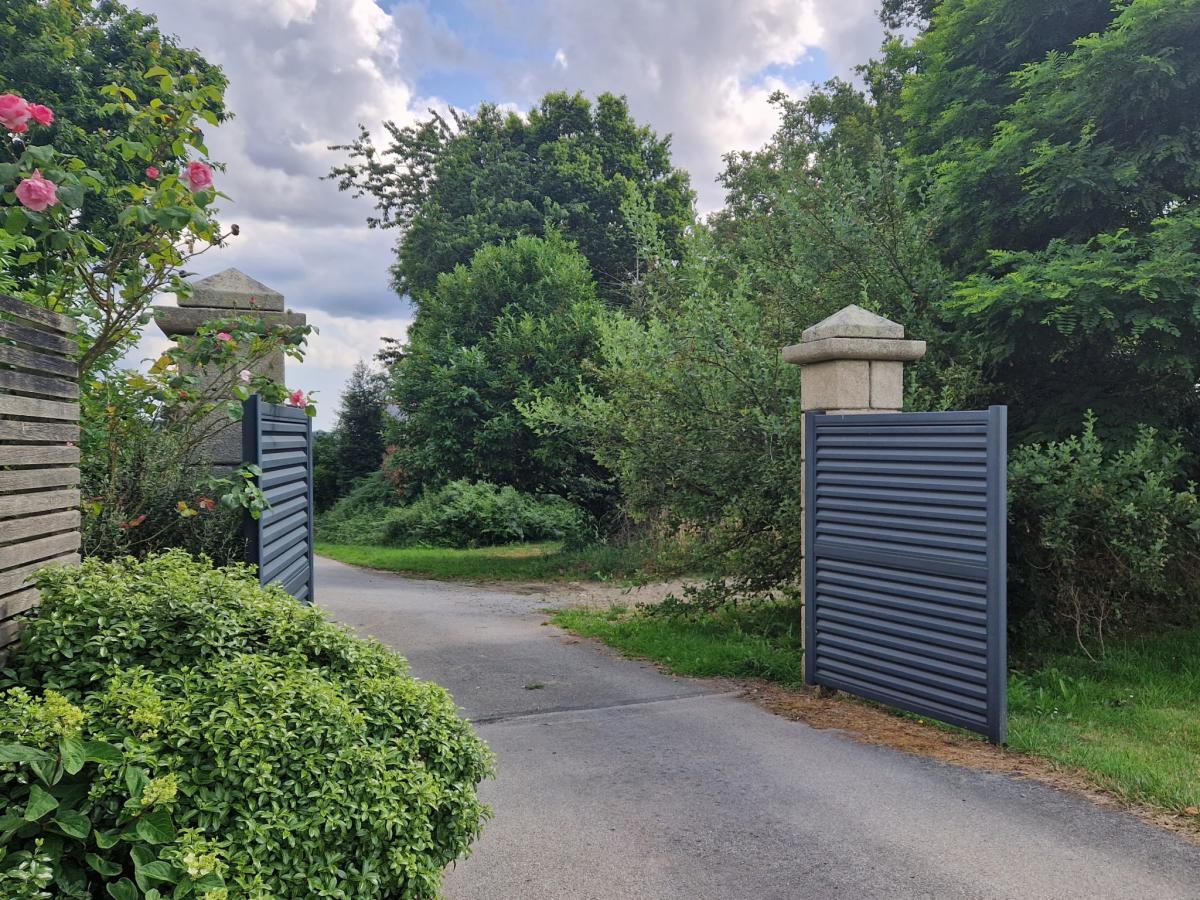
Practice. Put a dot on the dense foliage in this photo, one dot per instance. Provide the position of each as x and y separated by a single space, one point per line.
1066 195
458 514
454 185
518 321
1015 182
1101 539
217 732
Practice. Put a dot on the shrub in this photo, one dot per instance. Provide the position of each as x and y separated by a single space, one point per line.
81 812
306 761
358 518
480 514
133 508
1101 539
459 514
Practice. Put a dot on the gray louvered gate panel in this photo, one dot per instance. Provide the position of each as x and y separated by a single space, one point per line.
279 440
905 551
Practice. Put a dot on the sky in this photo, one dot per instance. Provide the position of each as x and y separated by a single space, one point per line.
304 73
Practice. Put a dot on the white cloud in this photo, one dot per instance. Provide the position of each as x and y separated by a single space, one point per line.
697 69
302 75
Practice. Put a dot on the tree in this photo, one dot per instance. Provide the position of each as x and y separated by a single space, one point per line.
325 469
128 104
1056 145
359 432
518 320
453 185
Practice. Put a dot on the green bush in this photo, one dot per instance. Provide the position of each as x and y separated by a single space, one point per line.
359 517
480 514
306 762
80 813
459 514
1102 539
132 508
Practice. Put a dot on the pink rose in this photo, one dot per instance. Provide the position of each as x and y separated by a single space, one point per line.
14 112
297 399
224 336
37 193
152 173
244 375
43 115
21 129
198 176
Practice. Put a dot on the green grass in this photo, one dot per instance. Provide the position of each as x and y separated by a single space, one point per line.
763 642
512 562
1131 721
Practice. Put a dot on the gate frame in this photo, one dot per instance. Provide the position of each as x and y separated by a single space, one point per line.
997 549
252 417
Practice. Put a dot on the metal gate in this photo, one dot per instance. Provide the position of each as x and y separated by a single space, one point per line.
278 439
905 553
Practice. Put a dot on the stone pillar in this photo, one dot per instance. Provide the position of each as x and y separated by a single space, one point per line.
226 295
851 363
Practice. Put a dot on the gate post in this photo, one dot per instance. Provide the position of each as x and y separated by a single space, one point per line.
851 362
226 295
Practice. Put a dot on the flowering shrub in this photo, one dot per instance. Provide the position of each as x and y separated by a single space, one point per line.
279 755
81 813
145 486
108 277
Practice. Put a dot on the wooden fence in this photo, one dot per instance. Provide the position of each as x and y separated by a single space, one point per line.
39 474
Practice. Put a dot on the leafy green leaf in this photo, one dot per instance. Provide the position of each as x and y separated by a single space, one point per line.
135 781
103 752
73 823
156 827
105 867
40 803
19 753
73 753
123 890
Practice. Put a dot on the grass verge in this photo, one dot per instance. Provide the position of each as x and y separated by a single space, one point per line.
512 562
1129 722
1131 719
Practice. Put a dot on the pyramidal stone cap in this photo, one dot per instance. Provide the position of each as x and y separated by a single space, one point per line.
232 289
851 322
853 333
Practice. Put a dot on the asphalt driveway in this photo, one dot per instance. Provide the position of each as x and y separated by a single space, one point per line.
617 781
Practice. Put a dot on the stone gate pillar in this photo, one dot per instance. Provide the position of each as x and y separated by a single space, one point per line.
852 362
227 295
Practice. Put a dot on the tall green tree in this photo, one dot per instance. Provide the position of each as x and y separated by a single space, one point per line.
1057 146
518 320
452 185
360 426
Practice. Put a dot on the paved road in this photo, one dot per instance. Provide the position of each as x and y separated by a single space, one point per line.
616 781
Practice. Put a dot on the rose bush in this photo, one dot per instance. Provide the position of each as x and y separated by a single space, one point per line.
107 276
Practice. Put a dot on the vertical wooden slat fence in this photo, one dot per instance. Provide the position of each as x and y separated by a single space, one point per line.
39 456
